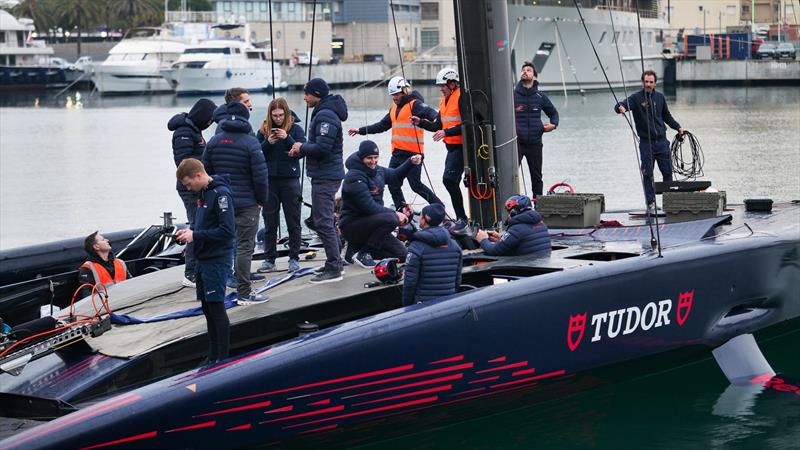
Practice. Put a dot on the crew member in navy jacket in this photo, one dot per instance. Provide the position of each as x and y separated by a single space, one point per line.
235 153
432 248
650 114
188 142
277 135
529 102
323 153
212 235
526 234
366 224
407 138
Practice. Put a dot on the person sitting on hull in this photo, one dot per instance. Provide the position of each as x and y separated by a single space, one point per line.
407 139
526 234
432 248
101 267
365 223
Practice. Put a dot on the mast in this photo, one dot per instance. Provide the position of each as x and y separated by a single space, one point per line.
487 107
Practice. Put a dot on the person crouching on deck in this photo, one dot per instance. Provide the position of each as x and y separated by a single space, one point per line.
213 235
527 234
433 248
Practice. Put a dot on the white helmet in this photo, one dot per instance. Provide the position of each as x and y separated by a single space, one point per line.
396 85
446 74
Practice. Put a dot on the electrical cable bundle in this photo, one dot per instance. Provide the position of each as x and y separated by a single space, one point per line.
689 166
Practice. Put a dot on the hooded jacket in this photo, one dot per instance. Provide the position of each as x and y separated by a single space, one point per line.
527 234
187 141
419 109
650 108
214 228
325 139
85 274
279 164
362 190
433 266
528 106
235 153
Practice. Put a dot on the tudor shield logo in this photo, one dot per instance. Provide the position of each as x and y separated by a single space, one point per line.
577 325
684 306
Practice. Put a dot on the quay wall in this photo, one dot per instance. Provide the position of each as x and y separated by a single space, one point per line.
738 72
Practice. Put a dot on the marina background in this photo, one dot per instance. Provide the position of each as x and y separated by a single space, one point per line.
76 163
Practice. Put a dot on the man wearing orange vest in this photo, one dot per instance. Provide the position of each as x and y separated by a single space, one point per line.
407 139
447 127
102 267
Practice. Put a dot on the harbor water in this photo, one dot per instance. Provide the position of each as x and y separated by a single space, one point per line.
74 164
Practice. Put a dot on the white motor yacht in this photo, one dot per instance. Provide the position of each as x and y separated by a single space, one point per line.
216 65
135 63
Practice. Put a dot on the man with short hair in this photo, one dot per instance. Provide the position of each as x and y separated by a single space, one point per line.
240 95
323 153
188 142
529 102
101 267
366 224
407 139
432 248
526 234
236 153
213 236
650 114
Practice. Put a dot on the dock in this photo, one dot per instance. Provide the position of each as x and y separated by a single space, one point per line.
738 72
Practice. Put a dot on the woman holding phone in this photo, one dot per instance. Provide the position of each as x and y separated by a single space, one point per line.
277 134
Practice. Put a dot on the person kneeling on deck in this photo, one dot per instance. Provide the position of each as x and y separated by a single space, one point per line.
365 223
527 234
433 248
102 267
213 235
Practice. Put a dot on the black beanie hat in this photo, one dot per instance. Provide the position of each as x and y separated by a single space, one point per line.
367 148
434 214
317 87
202 112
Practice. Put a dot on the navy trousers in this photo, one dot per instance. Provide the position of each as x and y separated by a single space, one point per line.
658 152
398 158
374 234
533 153
283 192
453 171
323 196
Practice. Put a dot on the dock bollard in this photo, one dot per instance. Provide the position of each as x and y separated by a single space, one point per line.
306 328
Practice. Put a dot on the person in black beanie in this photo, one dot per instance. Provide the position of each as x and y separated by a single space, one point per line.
323 153
366 224
187 142
433 248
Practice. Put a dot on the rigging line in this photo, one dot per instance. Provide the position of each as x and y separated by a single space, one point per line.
271 50
310 65
364 73
652 114
569 60
613 94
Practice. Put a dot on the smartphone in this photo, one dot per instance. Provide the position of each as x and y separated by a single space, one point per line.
274 130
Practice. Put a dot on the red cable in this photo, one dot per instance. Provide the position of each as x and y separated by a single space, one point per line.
42 334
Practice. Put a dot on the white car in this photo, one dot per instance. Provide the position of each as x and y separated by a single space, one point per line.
83 63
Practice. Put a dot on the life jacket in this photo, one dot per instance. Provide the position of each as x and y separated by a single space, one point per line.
405 136
102 276
450 115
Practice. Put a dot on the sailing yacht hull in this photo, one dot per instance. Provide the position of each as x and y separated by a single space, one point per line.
524 341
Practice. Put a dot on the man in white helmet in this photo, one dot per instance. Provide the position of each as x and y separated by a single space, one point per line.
407 139
447 126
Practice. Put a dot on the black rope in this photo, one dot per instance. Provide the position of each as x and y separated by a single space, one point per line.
272 51
310 65
692 168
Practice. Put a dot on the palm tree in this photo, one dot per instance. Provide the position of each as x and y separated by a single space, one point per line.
80 13
136 11
40 11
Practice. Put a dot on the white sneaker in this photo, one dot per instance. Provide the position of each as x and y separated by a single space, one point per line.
188 283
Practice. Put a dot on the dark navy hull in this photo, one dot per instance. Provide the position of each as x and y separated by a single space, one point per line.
522 342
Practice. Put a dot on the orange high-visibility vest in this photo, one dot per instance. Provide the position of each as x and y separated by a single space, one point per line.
102 276
450 114
405 136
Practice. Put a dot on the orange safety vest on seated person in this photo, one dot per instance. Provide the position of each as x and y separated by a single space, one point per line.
450 115
405 136
102 276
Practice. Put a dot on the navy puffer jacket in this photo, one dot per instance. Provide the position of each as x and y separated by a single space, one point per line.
187 141
325 139
527 234
235 153
362 190
279 164
433 266
528 107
